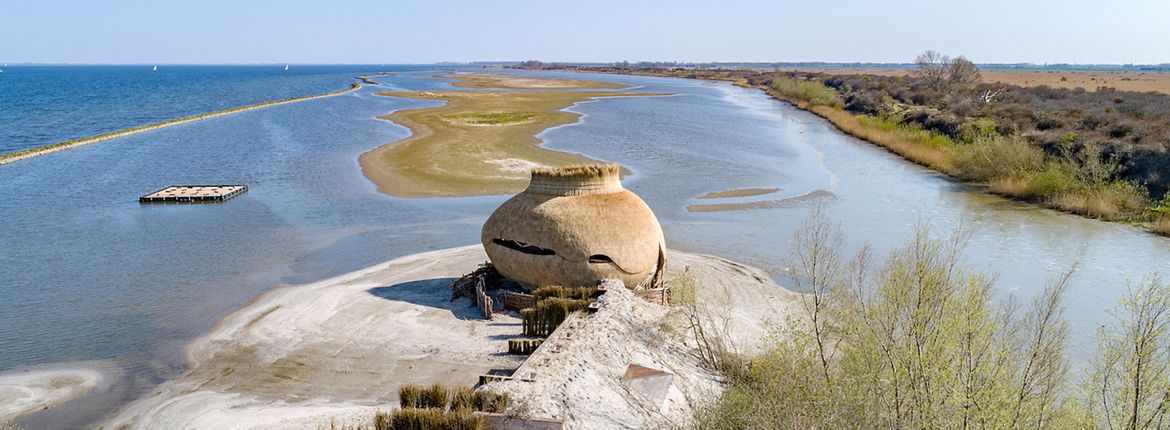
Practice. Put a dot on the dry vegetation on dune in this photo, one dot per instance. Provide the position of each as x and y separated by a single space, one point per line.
477 143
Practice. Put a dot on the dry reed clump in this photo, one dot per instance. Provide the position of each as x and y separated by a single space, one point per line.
523 346
579 171
479 400
549 313
440 408
557 291
1010 186
1161 225
1105 203
414 396
917 152
427 419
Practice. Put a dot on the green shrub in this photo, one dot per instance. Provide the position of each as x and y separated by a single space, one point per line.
1053 180
986 159
977 129
812 92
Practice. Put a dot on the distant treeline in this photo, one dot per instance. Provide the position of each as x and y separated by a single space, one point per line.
539 65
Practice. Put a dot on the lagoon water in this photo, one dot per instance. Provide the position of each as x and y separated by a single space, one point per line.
91 276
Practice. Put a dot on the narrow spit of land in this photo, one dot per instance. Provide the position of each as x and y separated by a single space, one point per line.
478 142
69 144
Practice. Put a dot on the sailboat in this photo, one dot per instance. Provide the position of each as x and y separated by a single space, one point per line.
286 67
155 69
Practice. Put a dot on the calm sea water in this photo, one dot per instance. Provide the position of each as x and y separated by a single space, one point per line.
90 275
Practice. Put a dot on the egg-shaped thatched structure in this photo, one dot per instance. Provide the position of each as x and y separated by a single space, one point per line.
574 226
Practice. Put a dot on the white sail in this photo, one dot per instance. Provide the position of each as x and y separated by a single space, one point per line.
155 68
286 67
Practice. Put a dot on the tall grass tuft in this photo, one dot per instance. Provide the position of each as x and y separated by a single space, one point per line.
479 400
1161 225
575 293
427 419
414 396
549 313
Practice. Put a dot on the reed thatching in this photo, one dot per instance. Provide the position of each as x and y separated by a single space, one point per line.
575 226
548 314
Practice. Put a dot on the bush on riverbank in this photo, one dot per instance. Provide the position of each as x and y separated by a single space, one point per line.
921 342
809 91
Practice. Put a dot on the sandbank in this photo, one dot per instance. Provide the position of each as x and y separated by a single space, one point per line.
336 351
23 392
761 204
499 80
741 192
472 144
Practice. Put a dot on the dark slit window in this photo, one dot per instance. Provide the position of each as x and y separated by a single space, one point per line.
599 258
523 247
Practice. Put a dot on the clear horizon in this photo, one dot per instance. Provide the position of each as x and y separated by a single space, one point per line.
370 32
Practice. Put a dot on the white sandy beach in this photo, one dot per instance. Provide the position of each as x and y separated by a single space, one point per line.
336 351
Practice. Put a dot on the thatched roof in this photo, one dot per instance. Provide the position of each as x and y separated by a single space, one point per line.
574 226
575 180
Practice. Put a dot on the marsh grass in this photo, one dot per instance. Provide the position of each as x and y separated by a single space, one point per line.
1161 225
811 92
917 146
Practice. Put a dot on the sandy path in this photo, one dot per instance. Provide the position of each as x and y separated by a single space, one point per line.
35 390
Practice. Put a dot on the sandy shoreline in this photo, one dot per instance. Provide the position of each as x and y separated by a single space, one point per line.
335 351
32 390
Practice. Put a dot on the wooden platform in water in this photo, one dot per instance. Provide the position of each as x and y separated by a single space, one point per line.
194 194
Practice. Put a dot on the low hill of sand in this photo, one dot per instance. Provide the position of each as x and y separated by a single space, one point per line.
332 353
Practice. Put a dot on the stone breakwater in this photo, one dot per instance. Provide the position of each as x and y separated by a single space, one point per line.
30 153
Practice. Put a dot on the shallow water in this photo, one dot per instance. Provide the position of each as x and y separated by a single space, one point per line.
91 275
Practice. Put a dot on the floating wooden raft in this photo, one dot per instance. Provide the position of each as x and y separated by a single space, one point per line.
194 194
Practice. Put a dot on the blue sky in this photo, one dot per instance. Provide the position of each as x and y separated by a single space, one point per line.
265 31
